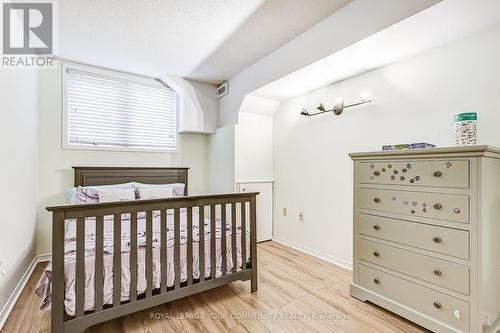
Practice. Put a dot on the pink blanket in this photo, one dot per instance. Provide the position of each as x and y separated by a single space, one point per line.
43 289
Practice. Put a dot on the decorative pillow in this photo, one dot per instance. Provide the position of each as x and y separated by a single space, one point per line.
155 192
116 194
178 188
88 194
71 194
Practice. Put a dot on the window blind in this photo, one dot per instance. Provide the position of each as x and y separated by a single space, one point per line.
107 111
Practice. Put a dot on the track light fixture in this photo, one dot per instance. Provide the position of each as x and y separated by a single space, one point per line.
339 106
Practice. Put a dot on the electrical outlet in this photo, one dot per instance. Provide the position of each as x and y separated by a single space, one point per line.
285 212
301 216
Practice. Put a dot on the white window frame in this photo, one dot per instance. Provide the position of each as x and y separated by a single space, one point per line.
97 70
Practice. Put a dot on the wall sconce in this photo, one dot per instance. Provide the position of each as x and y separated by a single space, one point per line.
339 106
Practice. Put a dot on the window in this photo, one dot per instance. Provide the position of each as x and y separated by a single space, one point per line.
114 111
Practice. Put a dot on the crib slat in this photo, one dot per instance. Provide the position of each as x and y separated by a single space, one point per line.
57 297
149 254
117 259
80 267
177 248
133 257
201 241
189 245
233 237
213 255
223 239
243 236
99 259
253 242
163 250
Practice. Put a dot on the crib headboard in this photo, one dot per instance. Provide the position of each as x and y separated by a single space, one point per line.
89 176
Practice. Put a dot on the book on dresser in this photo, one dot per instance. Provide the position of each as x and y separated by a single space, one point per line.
426 234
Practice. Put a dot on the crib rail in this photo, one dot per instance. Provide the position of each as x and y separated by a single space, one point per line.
242 210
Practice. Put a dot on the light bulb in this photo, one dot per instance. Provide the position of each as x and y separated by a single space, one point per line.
365 96
340 101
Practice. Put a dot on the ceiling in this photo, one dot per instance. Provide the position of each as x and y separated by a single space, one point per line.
206 40
442 23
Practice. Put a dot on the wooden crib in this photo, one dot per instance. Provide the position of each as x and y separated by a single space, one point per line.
242 209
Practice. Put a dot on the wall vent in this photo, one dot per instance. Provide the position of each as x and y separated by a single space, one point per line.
222 89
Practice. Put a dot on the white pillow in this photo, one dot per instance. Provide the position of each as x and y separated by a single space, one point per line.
155 192
71 193
178 188
116 194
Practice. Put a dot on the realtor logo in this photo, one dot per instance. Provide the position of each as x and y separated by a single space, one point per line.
27 28
27 34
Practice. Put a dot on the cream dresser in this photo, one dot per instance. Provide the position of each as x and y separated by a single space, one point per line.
427 235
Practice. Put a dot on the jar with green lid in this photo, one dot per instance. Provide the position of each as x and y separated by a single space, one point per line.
465 129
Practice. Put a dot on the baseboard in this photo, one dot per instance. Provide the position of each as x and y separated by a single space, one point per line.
11 302
318 254
44 257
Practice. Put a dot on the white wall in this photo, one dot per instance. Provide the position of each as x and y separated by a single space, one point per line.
354 22
241 152
259 105
198 102
221 150
414 101
18 175
55 163
254 147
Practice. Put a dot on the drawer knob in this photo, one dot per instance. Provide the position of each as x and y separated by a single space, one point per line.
438 272
376 227
376 281
437 206
437 305
437 239
376 254
376 173
437 174
377 199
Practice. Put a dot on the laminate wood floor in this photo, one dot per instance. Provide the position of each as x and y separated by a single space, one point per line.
297 293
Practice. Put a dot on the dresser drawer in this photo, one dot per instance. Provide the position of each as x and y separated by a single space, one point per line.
447 241
440 173
450 207
427 301
440 272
